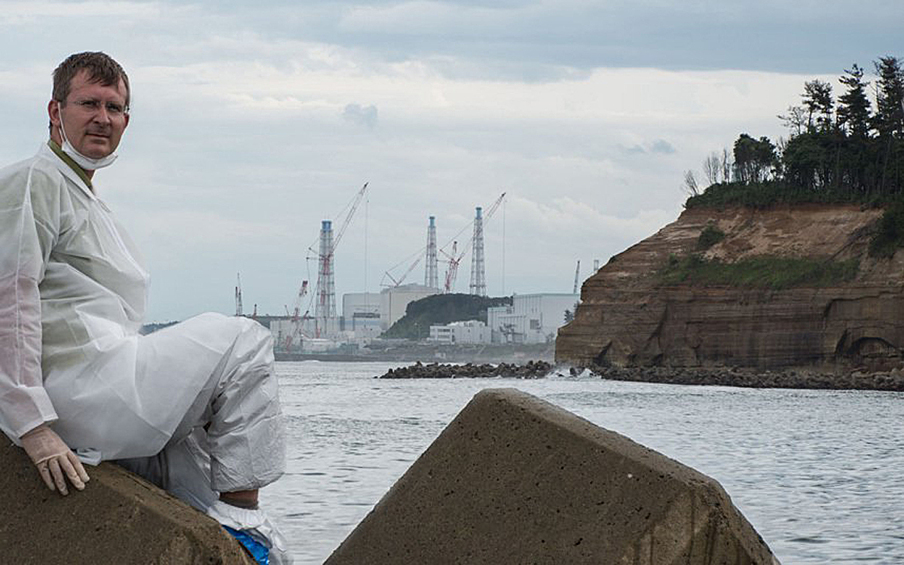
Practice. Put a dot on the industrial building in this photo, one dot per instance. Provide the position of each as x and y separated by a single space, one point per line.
532 318
361 314
469 332
395 299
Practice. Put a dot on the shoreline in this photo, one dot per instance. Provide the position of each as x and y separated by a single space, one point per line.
811 379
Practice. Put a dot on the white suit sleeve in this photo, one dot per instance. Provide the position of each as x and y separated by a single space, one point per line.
29 220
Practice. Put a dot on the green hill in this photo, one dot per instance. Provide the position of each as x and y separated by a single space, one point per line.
442 309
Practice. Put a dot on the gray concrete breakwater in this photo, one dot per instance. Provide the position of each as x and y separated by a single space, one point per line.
529 370
892 380
515 479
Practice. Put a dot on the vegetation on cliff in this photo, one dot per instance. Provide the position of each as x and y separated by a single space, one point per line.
767 272
844 150
442 309
849 150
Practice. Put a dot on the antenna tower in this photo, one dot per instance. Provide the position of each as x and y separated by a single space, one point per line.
577 277
478 269
238 295
430 274
325 308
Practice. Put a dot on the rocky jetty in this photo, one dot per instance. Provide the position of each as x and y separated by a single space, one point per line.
529 370
630 317
741 377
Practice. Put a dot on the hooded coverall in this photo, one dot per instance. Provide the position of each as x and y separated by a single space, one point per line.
194 406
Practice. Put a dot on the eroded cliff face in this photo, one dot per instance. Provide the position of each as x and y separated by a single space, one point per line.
629 317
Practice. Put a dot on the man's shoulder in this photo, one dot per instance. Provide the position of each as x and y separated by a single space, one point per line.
34 170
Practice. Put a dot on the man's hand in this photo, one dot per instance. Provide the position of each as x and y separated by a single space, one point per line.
54 459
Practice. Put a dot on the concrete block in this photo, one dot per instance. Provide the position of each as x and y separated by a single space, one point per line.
118 518
514 479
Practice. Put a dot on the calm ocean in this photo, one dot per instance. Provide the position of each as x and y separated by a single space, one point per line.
818 473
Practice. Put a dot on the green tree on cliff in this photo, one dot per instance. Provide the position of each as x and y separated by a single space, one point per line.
754 158
854 114
838 151
819 105
889 119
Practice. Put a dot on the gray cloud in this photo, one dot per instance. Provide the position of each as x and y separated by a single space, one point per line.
662 146
361 115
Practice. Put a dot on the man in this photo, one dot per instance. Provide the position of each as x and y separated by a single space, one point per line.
193 408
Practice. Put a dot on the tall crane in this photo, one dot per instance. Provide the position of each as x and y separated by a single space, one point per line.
454 258
577 276
326 291
238 294
296 318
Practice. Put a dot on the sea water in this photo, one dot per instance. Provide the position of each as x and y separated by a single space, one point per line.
819 474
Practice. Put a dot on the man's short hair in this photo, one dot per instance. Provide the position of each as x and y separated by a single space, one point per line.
100 67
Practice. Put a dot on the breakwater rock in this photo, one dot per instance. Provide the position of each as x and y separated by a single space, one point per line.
742 377
515 479
529 370
118 518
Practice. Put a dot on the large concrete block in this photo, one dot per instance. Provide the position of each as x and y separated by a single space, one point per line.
118 518
514 479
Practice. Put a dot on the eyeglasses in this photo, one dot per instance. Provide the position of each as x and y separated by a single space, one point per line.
92 106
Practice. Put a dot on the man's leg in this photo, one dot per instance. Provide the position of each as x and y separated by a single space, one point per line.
230 442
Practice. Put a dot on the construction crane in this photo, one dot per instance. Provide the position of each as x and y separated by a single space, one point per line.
325 290
348 218
238 294
401 279
577 276
430 250
296 318
453 267
454 258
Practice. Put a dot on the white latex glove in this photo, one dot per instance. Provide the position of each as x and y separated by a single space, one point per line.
54 459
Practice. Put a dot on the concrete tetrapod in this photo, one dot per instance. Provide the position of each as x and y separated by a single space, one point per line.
118 518
514 479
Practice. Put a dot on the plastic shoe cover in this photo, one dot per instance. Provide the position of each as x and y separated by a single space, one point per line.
258 551
255 524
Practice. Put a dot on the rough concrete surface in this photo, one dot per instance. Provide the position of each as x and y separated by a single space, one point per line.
514 479
119 518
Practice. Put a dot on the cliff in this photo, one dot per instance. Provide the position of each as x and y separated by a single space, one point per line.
633 315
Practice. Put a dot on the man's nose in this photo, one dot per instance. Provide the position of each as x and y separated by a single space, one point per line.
102 115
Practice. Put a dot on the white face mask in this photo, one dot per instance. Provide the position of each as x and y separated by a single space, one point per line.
83 161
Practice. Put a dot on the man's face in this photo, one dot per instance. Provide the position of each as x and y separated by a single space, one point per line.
94 116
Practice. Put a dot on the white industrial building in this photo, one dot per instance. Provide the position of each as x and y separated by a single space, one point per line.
395 299
471 331
361 314
532 318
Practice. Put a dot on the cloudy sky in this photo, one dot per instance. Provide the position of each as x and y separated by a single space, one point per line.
254 121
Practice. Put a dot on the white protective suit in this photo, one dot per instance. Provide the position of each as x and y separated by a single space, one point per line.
72 298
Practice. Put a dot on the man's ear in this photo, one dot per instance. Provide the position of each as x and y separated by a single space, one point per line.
53 112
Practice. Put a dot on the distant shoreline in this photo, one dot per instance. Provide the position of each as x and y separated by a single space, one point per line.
808 379
801 378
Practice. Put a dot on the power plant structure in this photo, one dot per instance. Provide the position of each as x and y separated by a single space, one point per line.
326 317
239 311
478 285
325 308
431 278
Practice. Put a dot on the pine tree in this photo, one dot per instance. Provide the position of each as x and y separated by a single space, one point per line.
889 118
854 106
819 104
